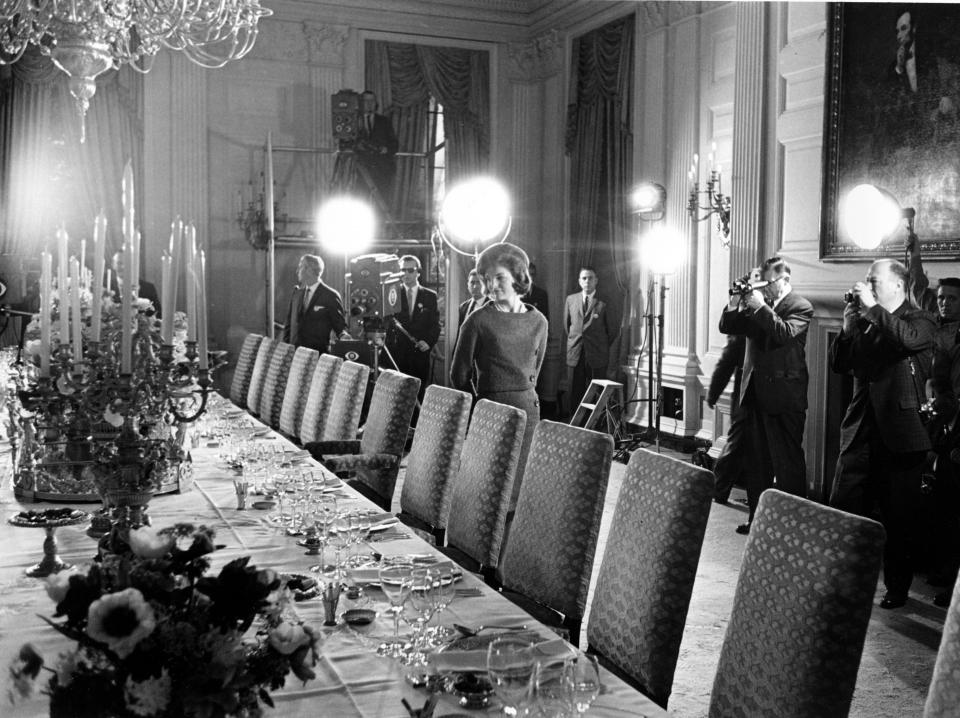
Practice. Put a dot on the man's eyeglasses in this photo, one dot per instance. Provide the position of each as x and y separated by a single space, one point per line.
410 270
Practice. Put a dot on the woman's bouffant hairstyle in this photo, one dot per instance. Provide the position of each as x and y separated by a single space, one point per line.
510 257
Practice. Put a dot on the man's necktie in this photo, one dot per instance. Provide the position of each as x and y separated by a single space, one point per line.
306 298
368 123
410 302
586 305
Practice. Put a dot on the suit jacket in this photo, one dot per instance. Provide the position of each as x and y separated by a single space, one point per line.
774 359
729 364
462 310
425 322
145 290
381 165
538 298
889 355
592 336
311 327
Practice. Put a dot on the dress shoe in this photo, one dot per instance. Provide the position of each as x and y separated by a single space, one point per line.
942 599
893 600
743 529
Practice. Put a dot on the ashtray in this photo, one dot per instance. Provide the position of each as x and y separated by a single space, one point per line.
472 690
264 504
359 616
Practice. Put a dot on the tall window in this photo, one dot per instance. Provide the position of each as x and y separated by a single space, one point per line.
436 159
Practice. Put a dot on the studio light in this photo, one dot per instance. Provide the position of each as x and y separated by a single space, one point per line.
473 213
661 250
870 216
648 201
345 225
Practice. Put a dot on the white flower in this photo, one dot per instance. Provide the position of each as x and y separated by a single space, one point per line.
147 542
287 637
149 697
121 620
57 586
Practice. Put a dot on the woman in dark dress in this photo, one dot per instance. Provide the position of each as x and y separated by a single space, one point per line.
505 340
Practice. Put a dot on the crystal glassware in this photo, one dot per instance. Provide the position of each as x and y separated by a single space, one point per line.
396 580
510 666
583 678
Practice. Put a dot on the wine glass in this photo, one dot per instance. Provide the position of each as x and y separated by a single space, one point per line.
340 537
510 667
443 597
396 580
583 680
418 611
552 692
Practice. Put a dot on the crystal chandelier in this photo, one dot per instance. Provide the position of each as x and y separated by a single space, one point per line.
84 38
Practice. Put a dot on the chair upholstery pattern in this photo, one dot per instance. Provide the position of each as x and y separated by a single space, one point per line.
244 369
259 374
343 418
434 456
384 435
275 384
481 491
317 406
943 698
800 612
643 590
298 388
553 537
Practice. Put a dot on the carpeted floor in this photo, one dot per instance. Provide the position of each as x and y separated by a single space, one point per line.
900 648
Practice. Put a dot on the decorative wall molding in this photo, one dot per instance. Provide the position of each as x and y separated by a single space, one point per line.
279 41
677 11
536 59
325 43
653 15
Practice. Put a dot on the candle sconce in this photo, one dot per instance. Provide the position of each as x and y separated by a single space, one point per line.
253 220
717 203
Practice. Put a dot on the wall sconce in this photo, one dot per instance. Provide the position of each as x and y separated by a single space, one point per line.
716 201
252 217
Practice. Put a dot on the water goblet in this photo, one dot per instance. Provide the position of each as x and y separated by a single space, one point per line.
552 694
443 597
396 580
510 667
340 537
582 676
422 605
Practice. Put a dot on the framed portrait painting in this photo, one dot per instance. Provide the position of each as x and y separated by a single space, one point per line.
892 119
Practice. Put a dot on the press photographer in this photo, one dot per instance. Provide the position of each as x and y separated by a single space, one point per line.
773 397
887 342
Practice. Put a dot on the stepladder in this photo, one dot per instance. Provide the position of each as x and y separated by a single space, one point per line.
601 407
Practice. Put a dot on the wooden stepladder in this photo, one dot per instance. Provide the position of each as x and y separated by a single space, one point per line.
600 407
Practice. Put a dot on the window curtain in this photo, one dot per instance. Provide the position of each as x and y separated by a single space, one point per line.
47 175
404 76
600 146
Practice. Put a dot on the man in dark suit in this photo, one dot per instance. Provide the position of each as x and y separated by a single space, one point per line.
315 309
145 289
377 146
887 344
729 465
773 394
420 319
477 298
537 296
590 329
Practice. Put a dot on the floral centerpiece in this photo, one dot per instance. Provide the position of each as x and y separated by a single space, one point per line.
156 636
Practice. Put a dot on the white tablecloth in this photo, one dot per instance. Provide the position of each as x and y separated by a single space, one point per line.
352 681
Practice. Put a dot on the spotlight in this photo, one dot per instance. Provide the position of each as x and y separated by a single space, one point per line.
870 216
345 225
661 250
648 200
474 212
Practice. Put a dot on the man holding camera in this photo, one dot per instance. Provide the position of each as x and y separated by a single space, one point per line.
887 343
773 396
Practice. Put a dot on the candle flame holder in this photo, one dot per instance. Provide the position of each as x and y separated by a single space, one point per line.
717 204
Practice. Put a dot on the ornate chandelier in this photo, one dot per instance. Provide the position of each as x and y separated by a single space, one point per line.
84 38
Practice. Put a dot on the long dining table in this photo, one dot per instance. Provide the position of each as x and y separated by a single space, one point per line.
352 680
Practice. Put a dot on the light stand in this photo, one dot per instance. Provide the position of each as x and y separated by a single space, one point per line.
660 330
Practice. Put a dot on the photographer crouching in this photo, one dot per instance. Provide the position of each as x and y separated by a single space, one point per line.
773 396
887 342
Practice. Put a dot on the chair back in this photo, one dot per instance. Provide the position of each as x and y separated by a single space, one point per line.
244 369
275 384
259 375
943 699
800 612
434 456
317 406
343 418
385 431
298 388
549 553
481 491
643 591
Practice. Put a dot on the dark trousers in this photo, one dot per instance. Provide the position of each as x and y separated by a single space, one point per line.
578 379
944 513
729 466
869 476
774 458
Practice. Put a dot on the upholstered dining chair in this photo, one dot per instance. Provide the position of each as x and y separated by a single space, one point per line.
259 375
243 370
551 543
434 459
346 403
297 390
643 591
943 699
800 612
275 383
319 398
375 458
481 490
